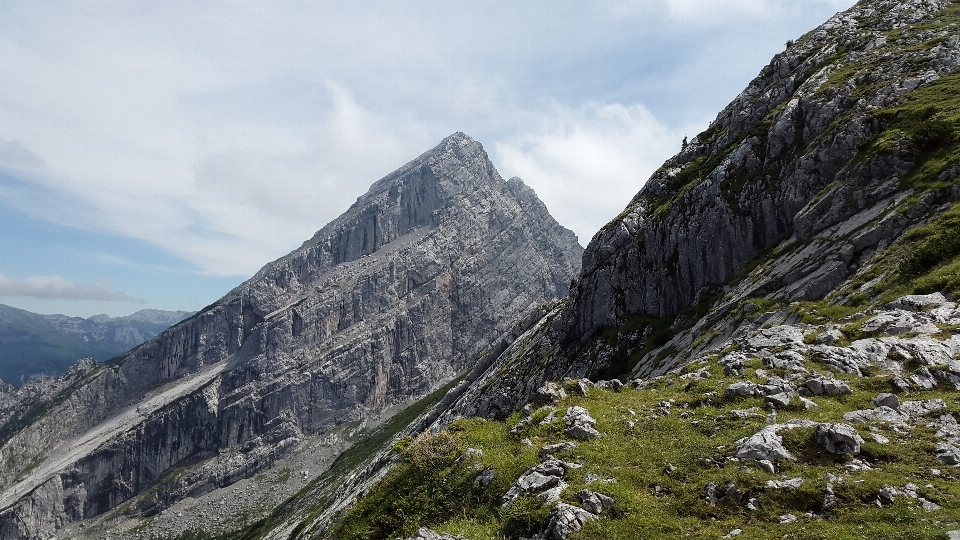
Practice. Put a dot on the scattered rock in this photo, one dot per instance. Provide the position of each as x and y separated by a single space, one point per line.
922 408
752 412
887 400
948 454
767 465
551 449
594 502
711 494
808 404
740 389
821 385
923 379
918 302
537 479
550 392
928 506
566 519
886 495
731 495
470 453
580 425
789 485
787 518
838 438
614 385
591 478
829 337
779 401
485 478
947 427
900 321
552 495
880 414
767 444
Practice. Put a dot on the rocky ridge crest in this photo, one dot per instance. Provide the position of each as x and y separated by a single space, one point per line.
384 304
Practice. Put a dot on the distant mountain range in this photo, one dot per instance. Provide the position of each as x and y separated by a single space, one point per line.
34 345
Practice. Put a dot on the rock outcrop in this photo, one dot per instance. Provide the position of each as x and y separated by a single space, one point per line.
386 303
794 189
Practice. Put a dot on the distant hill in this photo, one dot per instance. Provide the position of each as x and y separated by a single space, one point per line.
32 344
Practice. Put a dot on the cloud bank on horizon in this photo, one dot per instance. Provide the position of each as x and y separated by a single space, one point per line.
215 137
58 288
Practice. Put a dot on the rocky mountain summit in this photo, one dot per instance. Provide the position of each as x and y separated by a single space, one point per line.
763 343
385 304
34 345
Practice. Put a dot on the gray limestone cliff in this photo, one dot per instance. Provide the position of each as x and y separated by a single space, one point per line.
799 188
386 303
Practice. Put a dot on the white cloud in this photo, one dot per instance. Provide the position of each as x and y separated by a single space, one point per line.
237 207
587 163
227 133
723 12
56 287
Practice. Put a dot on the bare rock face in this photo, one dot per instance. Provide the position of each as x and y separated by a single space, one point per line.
386 303
781 183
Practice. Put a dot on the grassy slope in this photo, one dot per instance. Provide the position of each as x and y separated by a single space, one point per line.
696 437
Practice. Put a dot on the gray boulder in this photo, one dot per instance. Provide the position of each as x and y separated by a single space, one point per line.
879 414
779 401
594 502
580 425
740 389
899 322
550 392
538 478
918 302
566 519
948 454
789 485
614 385
821 385
551 449
922 408
766 444
887 400
838 438
485 478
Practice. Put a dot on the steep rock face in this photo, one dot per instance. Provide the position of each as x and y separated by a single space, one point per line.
385 303
843 142
760 171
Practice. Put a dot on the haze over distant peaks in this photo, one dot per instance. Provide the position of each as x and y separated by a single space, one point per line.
33 345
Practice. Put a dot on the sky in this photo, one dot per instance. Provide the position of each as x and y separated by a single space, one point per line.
156 154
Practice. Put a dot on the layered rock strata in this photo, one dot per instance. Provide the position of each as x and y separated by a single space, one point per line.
392 299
